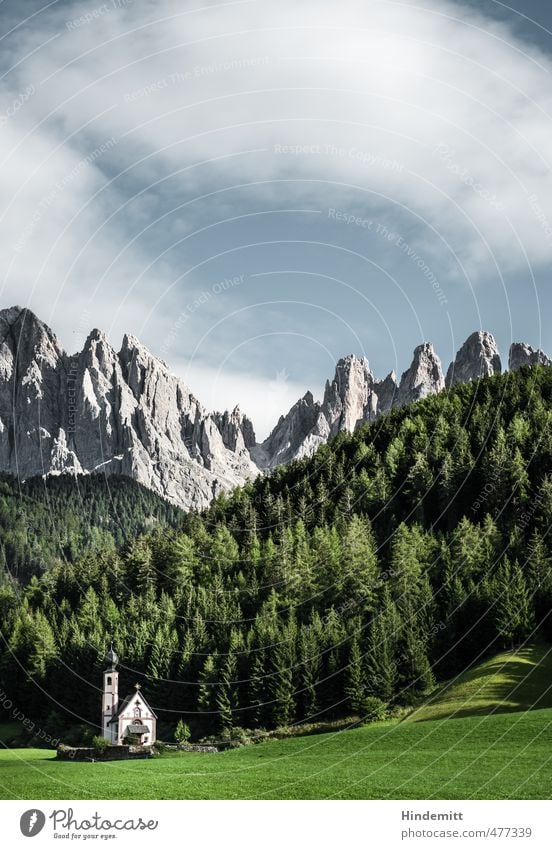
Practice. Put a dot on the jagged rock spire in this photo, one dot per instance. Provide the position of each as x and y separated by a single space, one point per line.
524 355
125 413
478 357
423 378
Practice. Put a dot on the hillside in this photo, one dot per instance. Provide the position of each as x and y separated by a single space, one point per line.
59 519
507 682
343 584
124 412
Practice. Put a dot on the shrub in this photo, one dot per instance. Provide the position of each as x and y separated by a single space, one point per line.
182 733
100 745
159 747
373 709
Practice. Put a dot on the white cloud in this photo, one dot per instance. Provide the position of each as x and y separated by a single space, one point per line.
433 114
224 390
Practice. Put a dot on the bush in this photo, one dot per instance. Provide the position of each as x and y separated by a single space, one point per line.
159 747
236 737
100 745
182 733
373 709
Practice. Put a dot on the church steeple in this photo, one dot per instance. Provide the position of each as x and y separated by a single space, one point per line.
110 698
112 657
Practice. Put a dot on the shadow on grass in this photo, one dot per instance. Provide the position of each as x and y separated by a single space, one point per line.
511 682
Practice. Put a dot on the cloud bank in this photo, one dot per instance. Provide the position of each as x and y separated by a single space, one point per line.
127 128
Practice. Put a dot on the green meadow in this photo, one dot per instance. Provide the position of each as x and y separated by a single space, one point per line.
486 735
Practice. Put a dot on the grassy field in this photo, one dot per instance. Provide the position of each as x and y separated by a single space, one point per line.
478 737
499 756
512 681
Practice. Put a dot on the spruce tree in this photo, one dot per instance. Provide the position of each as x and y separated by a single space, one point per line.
355 687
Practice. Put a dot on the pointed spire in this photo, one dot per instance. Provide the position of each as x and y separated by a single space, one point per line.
112 657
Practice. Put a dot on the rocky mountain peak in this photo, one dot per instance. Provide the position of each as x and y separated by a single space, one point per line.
524 355
296 435
122 413
423 378
478 357
236 429
126 413
23 331
349 399
386 390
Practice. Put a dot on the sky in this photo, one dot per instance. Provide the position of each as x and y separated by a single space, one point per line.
256 189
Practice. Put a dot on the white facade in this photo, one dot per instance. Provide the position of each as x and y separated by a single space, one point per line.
137 714
132 715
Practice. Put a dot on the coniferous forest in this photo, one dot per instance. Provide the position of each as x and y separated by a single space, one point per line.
342 585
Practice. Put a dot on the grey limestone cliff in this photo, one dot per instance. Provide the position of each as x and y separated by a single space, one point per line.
524 355
125 413
478 357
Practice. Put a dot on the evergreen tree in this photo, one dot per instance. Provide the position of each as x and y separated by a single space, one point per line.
227 696
355 688
514 618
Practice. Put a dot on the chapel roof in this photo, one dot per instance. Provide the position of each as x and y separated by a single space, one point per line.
112 658
125 703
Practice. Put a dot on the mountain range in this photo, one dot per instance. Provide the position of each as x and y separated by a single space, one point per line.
124 412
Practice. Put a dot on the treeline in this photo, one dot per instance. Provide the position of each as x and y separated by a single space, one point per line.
337 586
58 519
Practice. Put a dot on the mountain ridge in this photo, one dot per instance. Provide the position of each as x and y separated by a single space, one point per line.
125 413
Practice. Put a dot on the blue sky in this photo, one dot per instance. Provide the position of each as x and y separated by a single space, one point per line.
255 190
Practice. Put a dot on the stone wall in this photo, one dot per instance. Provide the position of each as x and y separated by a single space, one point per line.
111 753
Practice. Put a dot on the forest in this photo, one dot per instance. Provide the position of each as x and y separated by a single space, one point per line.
44 521
346 584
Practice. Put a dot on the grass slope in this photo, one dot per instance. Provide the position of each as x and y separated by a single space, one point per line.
497 757
512 681
499 746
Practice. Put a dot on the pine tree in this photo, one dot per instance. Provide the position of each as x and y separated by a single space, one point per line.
226 694
181 732
282 689
355 687
514 618
257 689
207 682
310 669
381 664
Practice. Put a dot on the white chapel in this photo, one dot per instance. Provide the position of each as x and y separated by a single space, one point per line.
132 715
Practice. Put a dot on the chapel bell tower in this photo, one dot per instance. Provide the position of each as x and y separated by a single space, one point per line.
110 697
